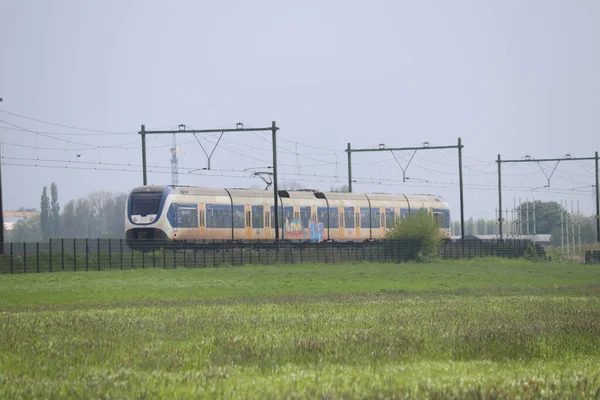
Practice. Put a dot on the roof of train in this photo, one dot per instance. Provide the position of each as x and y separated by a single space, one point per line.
294 194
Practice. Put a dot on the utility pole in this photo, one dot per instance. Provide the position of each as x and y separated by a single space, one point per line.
1 207
239 128
567 157
425 146
349 151
597 202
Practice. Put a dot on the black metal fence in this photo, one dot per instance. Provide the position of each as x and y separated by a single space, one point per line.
592 257
106 254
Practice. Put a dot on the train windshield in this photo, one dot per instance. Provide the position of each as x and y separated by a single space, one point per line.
145 203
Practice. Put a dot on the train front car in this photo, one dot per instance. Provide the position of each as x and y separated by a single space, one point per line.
145 216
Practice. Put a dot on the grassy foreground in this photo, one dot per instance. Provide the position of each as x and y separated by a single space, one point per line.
473 329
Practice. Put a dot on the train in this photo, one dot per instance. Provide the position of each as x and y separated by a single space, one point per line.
189 213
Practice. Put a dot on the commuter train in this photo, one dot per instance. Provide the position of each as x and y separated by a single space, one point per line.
187 213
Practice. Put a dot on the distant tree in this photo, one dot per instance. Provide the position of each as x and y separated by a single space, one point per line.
290 185
44 214
480 227
470 227
341 189
114 211
547 216
100 215
68 224
54 211
491 227
27 230
456 228
583 228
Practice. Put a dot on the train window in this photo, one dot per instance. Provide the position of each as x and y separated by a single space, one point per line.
364 217
218 216
182 215
323 217
334 220
144 203
305 217
442 217
285 214
349 217
375 216
390 217
404 212
238 217
257 217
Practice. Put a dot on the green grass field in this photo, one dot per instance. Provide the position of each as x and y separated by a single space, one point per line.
471 329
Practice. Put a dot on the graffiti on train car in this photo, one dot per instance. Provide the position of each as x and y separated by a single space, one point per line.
316 231
294 231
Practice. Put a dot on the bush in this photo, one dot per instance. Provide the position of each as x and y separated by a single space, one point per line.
421 228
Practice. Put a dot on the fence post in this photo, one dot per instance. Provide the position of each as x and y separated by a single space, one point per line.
164 253
12 260
153 256
131 257
109 253
121 251
50 251
25 257
62 253
87 255
75 254
37 256
98 252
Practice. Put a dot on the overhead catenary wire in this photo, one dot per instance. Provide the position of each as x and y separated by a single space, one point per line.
303 178
64 125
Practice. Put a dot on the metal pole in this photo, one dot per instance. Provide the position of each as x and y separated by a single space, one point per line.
143 133
274 135
2 208
597 202
460 180
567 225
534 222
499 195
562 230
527 202
349 168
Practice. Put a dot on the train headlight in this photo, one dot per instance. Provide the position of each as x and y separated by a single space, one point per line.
151 219
135 220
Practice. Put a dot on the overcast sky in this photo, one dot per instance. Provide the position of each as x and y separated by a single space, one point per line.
509 77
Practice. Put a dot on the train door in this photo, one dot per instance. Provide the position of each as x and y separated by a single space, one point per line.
341 224
382 226
248 222
201 222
